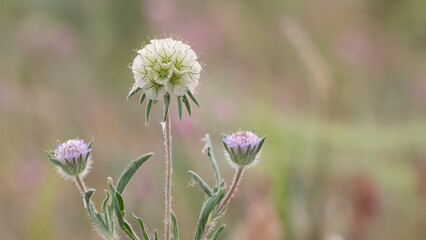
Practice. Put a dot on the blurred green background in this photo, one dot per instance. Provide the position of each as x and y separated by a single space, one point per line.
339 88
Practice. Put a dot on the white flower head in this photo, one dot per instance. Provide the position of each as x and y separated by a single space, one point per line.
164 68
169 63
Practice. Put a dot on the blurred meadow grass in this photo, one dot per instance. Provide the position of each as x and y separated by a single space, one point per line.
339 88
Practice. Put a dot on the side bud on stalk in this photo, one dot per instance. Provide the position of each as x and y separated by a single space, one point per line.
72 158
242 148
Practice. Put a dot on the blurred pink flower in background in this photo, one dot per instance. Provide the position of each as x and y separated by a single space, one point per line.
224 110
37 36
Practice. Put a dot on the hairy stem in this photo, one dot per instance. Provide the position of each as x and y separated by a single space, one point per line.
231 191
206 232
80 185
169 170
225 201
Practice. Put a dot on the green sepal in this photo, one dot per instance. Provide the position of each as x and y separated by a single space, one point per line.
143 96
260 145
89 146
132 92
166 108
148 111
54 160
142 225
216 234
128 173
155 234
201 183
187 105
179 100
175 226
193 98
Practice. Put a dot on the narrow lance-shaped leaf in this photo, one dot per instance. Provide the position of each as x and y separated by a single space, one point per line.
142 225
175 226
118 204
193 98
148 111
130 171
105 208
95 216
188 106
115 203
206 210
210 154
201 183
216 234
128 229
179 100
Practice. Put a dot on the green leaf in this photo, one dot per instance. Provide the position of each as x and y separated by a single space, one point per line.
167 104
130 171
155 234
115 203
148 111
206 211
105 206
129 231
217 233
144 233
188 106
210 154
132 92
179 100
143 96
175 226
95 216
201 183
120 202
193 98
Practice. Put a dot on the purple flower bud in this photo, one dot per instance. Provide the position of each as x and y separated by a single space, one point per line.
242 147
71 149
72 157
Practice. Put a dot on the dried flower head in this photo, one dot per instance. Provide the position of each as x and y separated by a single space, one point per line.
72 158
164 68
242 148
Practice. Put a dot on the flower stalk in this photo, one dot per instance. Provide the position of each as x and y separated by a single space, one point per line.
230 193
80 185
169 170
